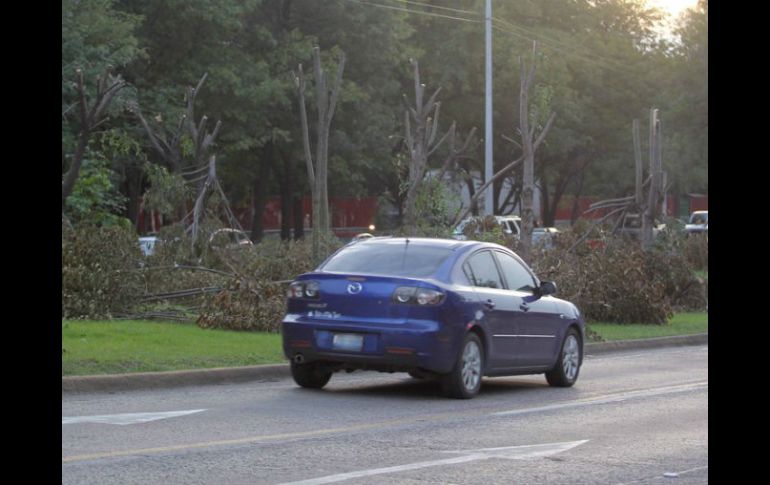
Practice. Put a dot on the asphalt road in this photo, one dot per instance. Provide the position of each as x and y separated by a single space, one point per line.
634 417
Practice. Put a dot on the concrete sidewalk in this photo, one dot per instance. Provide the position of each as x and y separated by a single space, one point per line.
274 372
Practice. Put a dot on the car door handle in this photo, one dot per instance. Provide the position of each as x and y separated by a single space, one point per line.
524 307
489 304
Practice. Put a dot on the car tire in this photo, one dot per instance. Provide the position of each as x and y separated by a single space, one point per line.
464 381
567 368
311 376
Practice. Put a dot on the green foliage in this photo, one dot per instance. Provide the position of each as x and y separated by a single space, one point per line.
95 35
99 271
431 204
94 200
167 191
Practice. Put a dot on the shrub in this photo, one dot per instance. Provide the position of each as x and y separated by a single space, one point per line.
99 271
696 251
245 304
255 297
619 282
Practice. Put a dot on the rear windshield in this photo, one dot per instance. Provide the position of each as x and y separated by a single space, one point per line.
388 259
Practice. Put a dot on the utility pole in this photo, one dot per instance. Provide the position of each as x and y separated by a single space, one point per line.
488 137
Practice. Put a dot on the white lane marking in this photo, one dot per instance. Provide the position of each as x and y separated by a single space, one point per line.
129 418
666 475
611 398
507 452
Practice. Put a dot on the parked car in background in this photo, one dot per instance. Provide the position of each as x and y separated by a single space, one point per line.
147 244
454 310
544 236
631 227
698 222
229 238
510 225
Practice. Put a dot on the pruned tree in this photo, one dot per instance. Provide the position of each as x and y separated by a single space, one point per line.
200 172
326 102
637 204
168 145
421 143
528 145
92 114
479 192
209 187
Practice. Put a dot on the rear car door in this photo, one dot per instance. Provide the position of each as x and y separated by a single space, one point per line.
499 307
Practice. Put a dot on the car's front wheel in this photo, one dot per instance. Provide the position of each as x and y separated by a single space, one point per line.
464 381
310 375
567 368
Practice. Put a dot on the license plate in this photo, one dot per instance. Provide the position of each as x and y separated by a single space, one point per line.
348 341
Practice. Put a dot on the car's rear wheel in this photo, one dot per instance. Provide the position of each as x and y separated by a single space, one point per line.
567 368
312 375
464 381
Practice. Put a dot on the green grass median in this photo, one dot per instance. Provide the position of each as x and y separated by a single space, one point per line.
680 324
117 347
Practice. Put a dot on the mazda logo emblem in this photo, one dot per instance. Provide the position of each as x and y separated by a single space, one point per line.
354 288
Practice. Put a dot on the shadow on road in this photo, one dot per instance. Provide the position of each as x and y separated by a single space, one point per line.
423 388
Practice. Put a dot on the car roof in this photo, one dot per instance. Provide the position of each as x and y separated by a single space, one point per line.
418 241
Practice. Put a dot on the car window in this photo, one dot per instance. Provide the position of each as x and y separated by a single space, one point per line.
409 260
517 277
484 270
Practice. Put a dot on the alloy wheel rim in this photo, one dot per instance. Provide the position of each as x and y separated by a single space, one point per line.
471 372
571 357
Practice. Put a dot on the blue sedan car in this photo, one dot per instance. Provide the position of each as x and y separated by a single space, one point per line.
456 310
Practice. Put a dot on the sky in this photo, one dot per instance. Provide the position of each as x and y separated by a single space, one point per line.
673 7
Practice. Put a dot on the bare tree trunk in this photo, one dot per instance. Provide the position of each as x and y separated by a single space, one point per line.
299 217
326 102
528 177
648 221
286 190
259 200
578 194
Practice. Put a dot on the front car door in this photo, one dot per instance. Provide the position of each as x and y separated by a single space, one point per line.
535 341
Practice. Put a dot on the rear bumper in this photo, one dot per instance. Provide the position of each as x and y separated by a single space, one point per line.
397 347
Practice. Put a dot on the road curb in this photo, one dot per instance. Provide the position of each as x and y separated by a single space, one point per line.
648 343
273 372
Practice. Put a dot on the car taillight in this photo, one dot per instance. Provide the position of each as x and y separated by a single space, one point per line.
303 289
311 289
417 296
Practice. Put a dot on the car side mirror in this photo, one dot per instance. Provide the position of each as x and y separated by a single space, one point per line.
547 288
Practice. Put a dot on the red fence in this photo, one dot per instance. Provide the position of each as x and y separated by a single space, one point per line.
673 207
349 215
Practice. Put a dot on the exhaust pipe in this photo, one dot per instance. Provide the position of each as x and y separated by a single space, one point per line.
299 359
